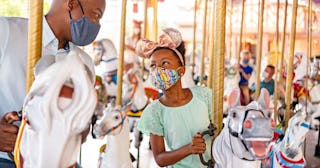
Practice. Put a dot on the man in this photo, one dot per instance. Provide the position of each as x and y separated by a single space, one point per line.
75 21
245 71
268 81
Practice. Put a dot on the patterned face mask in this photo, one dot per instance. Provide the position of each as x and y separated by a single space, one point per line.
164 78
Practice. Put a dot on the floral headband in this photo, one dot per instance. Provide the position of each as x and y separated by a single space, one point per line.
170 38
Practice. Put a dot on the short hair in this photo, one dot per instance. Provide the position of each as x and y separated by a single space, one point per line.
271 66
245 52
181 49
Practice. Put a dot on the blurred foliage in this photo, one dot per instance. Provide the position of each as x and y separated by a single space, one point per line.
18 7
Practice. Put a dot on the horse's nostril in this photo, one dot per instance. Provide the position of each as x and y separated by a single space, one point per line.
247 124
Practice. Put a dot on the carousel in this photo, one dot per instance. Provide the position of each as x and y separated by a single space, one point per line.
275 129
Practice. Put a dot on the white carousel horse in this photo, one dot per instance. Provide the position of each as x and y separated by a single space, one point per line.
106 60
288 152
52 136
115 125
247 133
134 92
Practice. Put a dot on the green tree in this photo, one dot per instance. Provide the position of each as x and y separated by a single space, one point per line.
18 7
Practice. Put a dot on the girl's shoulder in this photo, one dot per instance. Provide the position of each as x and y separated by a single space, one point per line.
200 90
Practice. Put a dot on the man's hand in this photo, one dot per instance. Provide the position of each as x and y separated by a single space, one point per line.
8 131
197 145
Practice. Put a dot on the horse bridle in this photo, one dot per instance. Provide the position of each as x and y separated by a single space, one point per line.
236 134
123 117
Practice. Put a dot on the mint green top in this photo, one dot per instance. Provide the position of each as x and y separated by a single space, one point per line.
178 125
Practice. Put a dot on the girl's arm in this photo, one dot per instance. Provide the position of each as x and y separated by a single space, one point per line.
165 158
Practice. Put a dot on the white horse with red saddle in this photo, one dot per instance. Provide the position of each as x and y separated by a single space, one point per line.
52 136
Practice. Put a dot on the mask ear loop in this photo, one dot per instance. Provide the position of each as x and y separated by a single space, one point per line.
80 5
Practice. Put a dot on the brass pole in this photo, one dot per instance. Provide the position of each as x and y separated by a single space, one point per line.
211 47
145 23
219 52
34 54
241 29
230 31
309 46
283 40
155 20
203 42
194 37
121 53
290 64
275 93
259 49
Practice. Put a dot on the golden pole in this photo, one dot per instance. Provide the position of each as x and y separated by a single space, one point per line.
203 42
259 49
309 46
219 52
34 54
120 65
211 47
155 20
275 93
194 37
145 23
283 40
241 29
290 64
230 30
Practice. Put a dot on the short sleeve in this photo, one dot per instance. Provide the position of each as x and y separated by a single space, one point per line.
151 120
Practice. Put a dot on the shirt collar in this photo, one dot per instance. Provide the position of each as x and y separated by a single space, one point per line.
48 37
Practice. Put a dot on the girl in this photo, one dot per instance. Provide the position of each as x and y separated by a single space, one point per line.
175 120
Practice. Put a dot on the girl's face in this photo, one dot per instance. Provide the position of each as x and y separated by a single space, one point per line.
164 58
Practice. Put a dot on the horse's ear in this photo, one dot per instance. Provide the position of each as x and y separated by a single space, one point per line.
234 98
264 98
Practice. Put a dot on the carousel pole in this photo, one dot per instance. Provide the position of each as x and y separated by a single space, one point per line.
283 41
211 47
230 31
219 52
145 21
241 30
203 42
194 37
309 46
290 64
155 20
121 54
259 49
275 93
34 54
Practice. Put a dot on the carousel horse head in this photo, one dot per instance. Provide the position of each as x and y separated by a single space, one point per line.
112 121
52 135
105 55
231 81
250 127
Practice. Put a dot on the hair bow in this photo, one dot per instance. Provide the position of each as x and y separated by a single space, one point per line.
170 38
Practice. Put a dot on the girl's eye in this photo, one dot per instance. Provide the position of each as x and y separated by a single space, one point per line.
152 66
165 63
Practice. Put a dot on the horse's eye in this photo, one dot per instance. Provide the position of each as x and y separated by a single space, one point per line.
234 115
116 117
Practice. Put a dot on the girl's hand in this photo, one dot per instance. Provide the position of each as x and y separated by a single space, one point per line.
197 146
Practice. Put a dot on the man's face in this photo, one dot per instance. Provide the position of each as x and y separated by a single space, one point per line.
93 9
269 71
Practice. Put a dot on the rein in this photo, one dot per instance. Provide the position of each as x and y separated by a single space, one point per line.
123 117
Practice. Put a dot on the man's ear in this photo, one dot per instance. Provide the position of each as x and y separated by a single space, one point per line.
71 4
